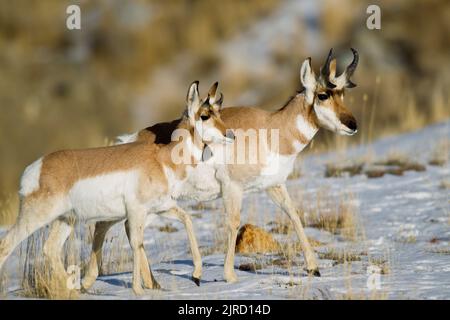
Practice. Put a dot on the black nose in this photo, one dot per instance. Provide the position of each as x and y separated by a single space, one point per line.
351 124
349 121
231 135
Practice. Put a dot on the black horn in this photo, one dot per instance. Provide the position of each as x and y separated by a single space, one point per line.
352 66
325 71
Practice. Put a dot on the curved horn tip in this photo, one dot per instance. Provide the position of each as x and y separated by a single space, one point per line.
350 84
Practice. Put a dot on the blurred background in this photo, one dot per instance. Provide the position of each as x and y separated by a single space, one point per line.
132 61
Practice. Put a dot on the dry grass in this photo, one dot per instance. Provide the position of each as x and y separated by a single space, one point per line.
117 254
9 206
338 216
440 154
394 164
333 170
340 256
381 263
445 251
39 280
168 228
373 295
219 235
445 184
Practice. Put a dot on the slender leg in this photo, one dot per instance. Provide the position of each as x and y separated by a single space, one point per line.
136 224
59 232
96 258
147 276
33 215
232 199
179 214
281 197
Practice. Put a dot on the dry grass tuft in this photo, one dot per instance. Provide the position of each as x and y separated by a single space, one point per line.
381 263
335 216
441 250
373 295
117 255
445 184
9 207
39 279
395 164
439 156
339 171
168 228
340 256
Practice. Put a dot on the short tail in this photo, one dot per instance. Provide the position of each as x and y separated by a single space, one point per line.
126 138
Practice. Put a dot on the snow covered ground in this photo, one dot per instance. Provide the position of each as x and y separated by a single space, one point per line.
405 222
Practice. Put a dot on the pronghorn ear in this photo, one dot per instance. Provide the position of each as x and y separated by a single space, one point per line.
307 76
332 69
215 100
193 99
212 91
308 79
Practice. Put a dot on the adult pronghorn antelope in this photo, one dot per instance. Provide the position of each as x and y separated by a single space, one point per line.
319 105
113 183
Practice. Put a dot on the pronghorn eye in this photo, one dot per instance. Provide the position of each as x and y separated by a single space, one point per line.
204 117
322 96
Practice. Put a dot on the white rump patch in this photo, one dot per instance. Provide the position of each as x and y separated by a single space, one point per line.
126 138
30 178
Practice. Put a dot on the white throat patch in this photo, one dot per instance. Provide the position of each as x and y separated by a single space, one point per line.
305 127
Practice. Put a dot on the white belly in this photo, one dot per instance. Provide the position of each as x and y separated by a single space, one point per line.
106 197
200 185
103 197
276 171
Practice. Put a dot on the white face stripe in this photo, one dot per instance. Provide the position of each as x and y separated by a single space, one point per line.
327 118
30 178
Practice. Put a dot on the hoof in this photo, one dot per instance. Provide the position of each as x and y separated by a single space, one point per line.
138 291
196 281
156 285
314 272
84 290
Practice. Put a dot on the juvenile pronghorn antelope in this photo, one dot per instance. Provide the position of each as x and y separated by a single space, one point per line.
113 183
319 105
192 188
